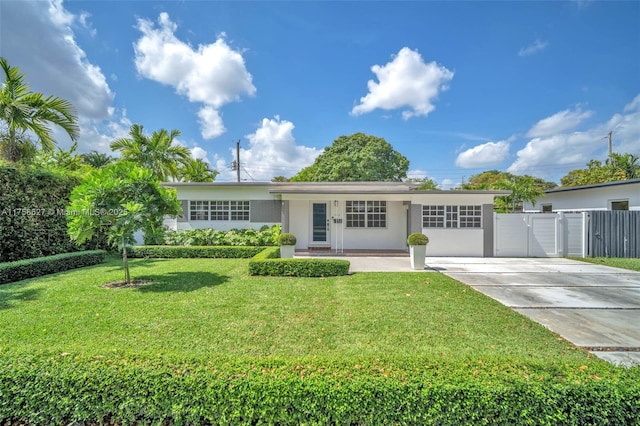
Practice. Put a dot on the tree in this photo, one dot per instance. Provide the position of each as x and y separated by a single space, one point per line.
618 167
280 179
523 188
22 111
425 184
96 159
358 157
157 153
121 198
196 170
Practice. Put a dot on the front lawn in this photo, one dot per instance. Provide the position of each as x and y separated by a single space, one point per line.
616 262
206 325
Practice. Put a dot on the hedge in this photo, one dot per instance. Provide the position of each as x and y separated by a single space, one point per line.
29 268
265 236
298 267
33 222
63 389
170 252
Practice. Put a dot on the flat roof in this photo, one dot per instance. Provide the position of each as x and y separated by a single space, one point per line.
596 185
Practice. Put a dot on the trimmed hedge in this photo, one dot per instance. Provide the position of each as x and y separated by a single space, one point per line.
298 267
63 389
171 252
265 236
29 268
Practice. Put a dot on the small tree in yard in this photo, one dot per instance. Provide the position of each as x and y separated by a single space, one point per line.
119 199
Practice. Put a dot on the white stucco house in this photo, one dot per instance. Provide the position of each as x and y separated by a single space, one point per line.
345 216
619 195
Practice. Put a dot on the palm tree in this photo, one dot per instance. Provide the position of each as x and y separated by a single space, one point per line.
628 163
22 111
196 170
523 188
157 153
96 159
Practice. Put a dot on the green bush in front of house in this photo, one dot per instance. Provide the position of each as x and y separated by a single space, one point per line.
29 268
298 267
265 236
417 239
71 389
172 252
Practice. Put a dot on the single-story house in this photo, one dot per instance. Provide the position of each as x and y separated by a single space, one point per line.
619 195
341 216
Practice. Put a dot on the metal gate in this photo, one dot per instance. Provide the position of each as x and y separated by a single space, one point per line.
614 234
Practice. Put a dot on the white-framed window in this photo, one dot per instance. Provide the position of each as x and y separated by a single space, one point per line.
443 216
366 214
239 210
199 210
219 210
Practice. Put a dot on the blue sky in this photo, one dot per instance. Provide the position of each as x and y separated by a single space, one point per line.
456 87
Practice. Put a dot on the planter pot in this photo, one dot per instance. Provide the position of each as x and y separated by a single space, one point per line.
417 254
286 252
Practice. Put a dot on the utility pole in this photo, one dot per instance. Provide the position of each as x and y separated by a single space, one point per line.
610 147
235 164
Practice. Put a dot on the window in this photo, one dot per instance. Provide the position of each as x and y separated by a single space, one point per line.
199 210
451 216
620 205
546 208
366 214
470 217
219 210
433 216
239 210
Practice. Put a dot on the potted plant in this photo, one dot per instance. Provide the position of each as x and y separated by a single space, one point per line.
287 243
417 249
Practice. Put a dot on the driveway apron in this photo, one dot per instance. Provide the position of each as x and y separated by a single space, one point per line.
593 306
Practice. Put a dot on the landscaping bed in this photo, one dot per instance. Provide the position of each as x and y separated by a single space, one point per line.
202 342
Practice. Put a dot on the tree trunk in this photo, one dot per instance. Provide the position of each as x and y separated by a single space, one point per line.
127 276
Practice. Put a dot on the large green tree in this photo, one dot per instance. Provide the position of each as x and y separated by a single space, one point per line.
23 111
119 199
617 167
354 158
157 152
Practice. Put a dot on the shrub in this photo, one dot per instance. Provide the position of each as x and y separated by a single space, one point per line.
168 252
299 267
29 268
287 239
266 236
74 390
417 239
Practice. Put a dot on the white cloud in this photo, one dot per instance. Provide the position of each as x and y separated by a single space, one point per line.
212 74
272 152
447 184
198 153
558 123
40 41
405 82
549 152
484 155
535 47
416 174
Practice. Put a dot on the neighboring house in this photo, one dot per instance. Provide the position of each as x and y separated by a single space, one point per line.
345 216
619 195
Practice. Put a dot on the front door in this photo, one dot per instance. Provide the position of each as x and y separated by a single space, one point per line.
319 223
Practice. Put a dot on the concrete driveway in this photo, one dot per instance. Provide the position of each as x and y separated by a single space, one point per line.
595 307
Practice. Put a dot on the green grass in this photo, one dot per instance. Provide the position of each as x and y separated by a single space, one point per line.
617 262
204 308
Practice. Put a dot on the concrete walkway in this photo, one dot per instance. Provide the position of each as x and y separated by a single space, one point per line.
593 306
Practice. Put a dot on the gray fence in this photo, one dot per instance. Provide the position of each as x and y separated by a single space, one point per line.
614 234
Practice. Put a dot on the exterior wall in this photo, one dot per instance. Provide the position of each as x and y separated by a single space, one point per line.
393 237
455 242
300 222
598 198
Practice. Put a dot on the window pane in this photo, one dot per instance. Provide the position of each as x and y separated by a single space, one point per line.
199 210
